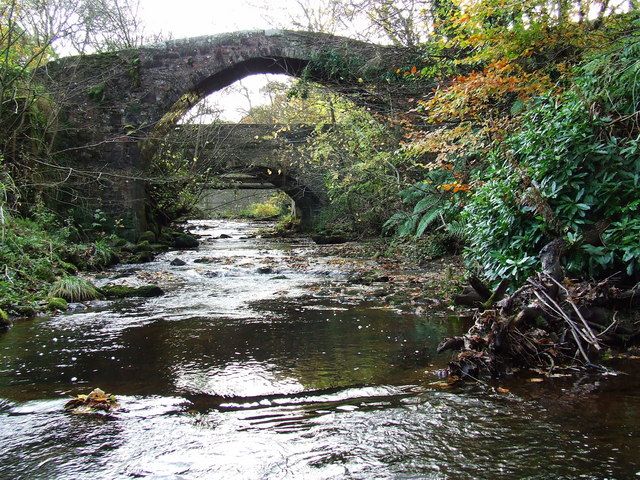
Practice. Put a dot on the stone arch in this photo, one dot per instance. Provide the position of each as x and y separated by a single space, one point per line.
266 152
116 104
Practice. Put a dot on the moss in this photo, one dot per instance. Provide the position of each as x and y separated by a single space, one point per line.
184 240
124 291
143 246
147 236
166 238
69 267
128 247
5 323
142 257
28 311
158 247
118 242
57 303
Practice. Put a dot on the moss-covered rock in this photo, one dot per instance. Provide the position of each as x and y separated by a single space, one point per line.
69 267
119 242
184 240
158 247
5 323
128 247
142 257
147 236
25 310
57 303
125 291
165 238
143 246
204 260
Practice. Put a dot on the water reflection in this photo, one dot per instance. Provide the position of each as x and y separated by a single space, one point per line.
241 374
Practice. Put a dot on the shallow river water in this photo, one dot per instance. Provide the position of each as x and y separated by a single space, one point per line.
263 361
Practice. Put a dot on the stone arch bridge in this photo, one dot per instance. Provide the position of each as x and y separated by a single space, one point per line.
264 153
115 106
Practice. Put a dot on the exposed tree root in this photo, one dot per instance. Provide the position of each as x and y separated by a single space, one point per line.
547 323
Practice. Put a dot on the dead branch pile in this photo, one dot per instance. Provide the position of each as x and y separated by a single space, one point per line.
549 322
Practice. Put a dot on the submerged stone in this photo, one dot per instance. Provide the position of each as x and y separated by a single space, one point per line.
204 260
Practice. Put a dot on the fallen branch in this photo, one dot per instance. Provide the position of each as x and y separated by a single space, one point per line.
548 322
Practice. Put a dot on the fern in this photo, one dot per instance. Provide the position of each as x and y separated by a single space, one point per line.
456 229
394 222
427 219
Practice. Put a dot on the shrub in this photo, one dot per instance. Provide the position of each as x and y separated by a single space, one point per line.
572 171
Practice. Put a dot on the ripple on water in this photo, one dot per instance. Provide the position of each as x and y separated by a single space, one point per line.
234 374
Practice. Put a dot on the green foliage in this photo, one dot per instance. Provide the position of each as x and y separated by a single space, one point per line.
334 65
74 289
35 252
360 177
424 249
287 223
571 171
432 201
96 92
180 178
275 206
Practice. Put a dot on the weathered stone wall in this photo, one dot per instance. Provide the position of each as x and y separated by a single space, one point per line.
116 105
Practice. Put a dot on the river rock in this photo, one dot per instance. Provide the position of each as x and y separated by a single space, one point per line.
204 260
184 240
148 236
328 239
265 270
178 262
125 291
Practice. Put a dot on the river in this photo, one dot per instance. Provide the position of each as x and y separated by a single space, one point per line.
263 360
